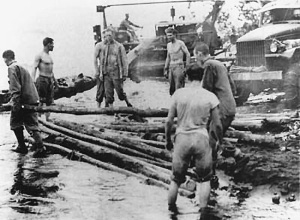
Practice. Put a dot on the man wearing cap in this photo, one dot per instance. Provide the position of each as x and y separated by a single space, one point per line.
217 80
174 68
126 25
113 67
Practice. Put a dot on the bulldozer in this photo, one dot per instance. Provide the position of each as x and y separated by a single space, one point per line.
147 57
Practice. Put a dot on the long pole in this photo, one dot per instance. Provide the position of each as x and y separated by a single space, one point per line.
148 3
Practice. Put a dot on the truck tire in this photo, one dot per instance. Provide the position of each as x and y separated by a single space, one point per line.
291 89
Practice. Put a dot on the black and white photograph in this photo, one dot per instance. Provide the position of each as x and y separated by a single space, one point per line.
150 110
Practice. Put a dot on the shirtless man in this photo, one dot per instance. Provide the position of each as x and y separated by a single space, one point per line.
45 81
174 65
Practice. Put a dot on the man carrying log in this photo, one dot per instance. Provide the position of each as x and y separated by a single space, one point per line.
191 137
217 80
23 91
113 68
45 83
174 68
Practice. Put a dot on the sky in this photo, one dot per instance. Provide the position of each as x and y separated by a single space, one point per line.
25 23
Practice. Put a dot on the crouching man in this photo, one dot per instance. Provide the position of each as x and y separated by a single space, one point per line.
23 91
191 141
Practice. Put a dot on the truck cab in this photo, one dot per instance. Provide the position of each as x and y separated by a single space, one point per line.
268 57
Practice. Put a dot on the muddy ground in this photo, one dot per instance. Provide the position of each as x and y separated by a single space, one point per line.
244 196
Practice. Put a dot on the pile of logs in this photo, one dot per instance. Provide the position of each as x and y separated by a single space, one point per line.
136 148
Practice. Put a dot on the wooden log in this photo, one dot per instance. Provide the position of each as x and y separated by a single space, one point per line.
248 137
133 148
97 111
105 155
129 143
135 128
244 125
107 166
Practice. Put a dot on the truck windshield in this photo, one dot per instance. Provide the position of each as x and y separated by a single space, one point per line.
280 15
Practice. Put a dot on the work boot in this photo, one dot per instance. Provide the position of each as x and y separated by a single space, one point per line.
22 149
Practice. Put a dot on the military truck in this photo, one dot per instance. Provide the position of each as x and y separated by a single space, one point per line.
269 56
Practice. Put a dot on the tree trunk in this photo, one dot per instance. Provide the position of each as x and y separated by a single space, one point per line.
97 111
133 147
247 137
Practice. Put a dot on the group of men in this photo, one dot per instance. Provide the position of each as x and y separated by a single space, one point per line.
204 112
27 89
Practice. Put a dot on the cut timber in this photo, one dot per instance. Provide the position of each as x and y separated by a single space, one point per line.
247 125
82 157
105 155
121 144
97 111
248 137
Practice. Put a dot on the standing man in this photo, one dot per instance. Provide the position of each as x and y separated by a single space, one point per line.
99 80
23 91
113 68
174 65
191 137
217 80
45 82
126 25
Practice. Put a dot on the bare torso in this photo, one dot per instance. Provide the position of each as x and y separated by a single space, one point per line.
175 51
45 64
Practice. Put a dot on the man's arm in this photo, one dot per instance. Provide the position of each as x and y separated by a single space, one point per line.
96 64
135 25
14 88
169 124
167 63
187 54
208 79
36 64
124 61
216 128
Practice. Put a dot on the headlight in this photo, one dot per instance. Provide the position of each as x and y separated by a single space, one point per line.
277 46
274 47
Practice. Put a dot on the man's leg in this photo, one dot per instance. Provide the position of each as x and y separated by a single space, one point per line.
118 85
171 81
109 90
21 142
32 126
179 77
172 195
203 189
100 92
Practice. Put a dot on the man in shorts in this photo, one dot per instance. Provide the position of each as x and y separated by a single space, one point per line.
191 141
23 91
45 81
174 68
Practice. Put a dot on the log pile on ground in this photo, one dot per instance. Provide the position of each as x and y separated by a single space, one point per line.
135 144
